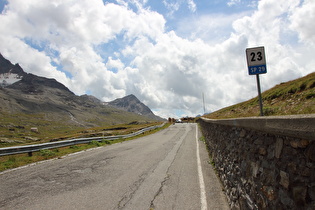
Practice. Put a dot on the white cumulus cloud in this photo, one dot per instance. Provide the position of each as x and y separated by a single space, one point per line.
111 50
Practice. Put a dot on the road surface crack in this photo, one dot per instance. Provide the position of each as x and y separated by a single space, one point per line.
159 191
167 177
133 188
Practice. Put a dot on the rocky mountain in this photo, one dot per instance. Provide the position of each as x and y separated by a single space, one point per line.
131 103
27 97
9 73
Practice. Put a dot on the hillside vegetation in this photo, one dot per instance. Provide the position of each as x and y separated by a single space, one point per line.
289 98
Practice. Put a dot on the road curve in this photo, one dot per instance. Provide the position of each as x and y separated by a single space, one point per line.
160 171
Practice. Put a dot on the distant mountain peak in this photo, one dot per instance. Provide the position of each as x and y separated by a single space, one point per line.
131 103
131 97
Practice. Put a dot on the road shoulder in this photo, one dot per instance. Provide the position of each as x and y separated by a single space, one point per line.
216 198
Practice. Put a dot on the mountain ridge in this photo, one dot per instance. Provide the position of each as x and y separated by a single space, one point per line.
6 66
24 93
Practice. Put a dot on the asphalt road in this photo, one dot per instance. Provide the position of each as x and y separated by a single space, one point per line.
160 171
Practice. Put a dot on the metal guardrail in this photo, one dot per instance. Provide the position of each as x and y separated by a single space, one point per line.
52 145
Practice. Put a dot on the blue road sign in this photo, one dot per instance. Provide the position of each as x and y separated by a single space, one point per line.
260 69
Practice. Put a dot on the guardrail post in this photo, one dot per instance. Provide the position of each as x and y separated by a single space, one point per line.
30 154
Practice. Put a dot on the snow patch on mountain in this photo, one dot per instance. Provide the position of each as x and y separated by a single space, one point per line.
9 78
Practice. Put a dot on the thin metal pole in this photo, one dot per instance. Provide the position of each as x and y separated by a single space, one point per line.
203 99
259 95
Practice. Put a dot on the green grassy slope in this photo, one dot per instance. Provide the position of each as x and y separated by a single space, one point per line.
289 98
16 128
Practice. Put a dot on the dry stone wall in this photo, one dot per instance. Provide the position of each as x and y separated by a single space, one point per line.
260 166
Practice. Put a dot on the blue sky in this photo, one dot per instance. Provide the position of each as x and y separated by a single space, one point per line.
167 53
2 4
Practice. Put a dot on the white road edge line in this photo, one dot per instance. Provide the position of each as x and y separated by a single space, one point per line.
203 198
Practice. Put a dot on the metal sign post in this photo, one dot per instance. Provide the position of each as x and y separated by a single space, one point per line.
256 62
259 95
